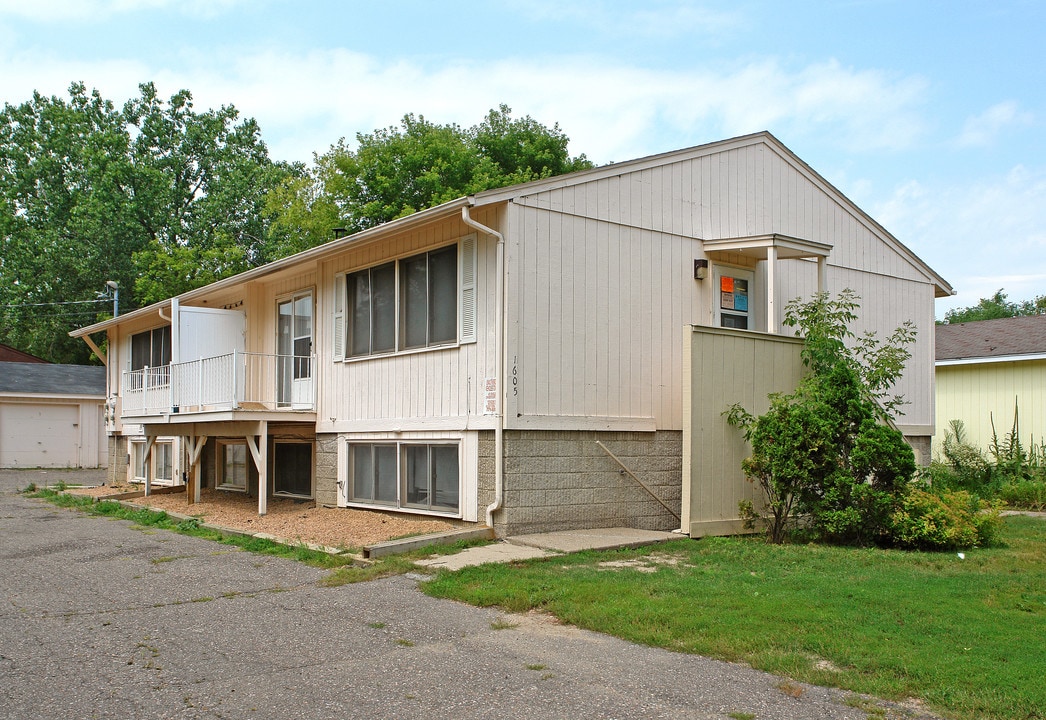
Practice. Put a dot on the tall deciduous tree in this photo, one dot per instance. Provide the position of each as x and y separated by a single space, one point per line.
154 196
995 307
396 171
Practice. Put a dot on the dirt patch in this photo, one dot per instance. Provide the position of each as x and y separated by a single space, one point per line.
288 519
104 490
646 564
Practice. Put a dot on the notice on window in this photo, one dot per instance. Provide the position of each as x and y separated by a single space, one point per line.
733 294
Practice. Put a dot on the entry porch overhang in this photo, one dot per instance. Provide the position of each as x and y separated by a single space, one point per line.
771 248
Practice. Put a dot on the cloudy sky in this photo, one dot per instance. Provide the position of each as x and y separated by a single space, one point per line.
928 114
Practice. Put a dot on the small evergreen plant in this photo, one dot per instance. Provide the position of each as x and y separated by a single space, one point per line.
826 451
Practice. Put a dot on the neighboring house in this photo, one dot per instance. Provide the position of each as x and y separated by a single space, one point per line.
464 361
987 368
52 415
10 354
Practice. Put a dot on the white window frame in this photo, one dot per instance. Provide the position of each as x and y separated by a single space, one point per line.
465 292
734 271
401 503
219 470
159 450
151 332
138 460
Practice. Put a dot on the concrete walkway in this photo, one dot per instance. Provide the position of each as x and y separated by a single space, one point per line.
526 547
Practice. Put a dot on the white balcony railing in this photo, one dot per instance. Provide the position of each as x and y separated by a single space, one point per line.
234 381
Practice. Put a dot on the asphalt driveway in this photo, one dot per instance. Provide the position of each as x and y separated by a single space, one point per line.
99 619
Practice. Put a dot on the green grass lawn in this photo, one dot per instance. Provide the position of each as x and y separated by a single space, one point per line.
968 637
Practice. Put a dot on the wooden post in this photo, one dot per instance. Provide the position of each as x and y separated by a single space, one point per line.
196 445
259 448
148 464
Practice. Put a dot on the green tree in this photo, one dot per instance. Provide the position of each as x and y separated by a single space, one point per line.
65 221
397 171
825 450
199 186
995 307
154 196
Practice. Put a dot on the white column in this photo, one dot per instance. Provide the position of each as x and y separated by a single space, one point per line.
771 289
822 273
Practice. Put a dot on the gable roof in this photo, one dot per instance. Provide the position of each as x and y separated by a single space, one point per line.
941 286
1005 337
51 379
10 354
506 194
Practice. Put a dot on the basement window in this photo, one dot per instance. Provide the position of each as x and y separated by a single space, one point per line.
163 456
405 476
140 467
232 466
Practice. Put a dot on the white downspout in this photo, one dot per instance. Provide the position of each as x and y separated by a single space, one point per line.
499 362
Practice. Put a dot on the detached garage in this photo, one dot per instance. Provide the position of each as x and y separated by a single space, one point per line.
52 416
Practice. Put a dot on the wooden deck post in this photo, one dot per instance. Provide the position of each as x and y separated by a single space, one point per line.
259 447
195 446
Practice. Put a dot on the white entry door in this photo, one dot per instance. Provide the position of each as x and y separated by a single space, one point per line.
294 352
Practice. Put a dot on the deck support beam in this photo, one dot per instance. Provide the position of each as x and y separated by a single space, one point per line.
195 445
259 447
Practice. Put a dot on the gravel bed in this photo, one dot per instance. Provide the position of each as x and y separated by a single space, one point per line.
286 518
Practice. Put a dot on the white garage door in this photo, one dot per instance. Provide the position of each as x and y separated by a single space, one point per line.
39 435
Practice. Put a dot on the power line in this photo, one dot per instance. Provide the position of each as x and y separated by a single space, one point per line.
84 313
66 302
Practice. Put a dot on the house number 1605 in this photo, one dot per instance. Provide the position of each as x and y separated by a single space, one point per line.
515 376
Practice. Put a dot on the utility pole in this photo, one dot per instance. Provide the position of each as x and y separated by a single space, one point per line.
115 288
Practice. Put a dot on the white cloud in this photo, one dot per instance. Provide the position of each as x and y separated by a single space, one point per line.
984 129
656 18
860 109
981 237
306 101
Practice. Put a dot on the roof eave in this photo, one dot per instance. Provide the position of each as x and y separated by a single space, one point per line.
984 359
319 252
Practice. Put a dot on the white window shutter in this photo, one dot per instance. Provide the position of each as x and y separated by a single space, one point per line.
338 341
467 314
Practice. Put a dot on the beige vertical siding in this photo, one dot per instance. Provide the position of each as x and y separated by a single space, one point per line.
596 310
724 367
750 190
601 282
436 389
886 303
261 307
979 392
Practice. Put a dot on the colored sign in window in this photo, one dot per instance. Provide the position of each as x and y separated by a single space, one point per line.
733 294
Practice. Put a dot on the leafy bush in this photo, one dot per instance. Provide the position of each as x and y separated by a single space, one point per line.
966 466
1027 494
783 474
824 451
1011 473
952 520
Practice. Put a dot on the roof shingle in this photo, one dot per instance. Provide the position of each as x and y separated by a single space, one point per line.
48 379
992 338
